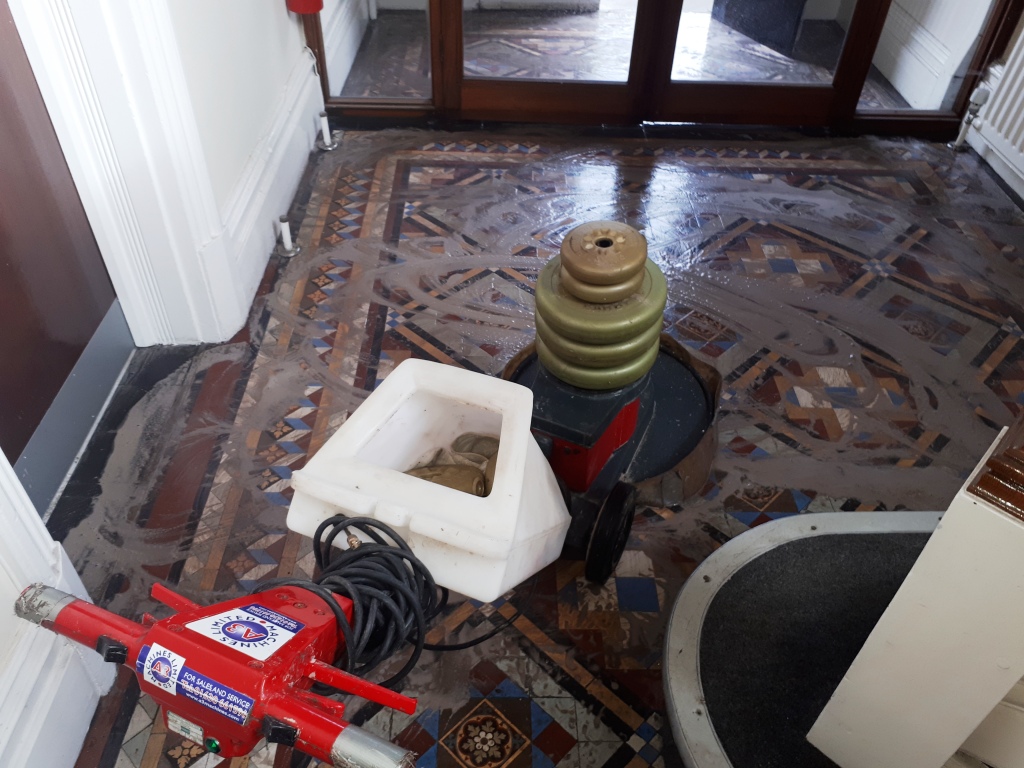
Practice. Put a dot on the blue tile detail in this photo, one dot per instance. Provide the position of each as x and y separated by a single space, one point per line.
540 760
646 732
430 721
801 499
747 518
507 690
261 557
649 753
428 759
539 720
637 593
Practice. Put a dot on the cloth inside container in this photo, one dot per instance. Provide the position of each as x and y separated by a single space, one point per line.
466 465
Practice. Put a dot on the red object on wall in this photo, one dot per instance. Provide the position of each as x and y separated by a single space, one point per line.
578 466
305 6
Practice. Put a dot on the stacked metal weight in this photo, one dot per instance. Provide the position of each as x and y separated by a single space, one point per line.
599 308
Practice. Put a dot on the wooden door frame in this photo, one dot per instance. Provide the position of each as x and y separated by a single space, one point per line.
649 93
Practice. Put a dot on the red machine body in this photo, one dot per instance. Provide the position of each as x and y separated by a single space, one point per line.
305 6
230 674
579 465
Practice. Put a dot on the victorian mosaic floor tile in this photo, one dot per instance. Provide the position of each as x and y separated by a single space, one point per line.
861 301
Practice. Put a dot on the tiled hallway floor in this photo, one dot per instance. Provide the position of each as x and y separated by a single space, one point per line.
862 301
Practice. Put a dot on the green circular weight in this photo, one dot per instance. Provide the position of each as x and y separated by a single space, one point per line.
600 323
597 355
601 294
603 252
597 378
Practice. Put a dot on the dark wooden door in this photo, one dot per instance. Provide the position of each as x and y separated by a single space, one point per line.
54 288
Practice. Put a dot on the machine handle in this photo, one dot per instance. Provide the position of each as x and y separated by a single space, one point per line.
78 620
343 681
325 736
171 599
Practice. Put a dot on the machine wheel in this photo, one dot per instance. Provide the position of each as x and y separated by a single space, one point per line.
611 532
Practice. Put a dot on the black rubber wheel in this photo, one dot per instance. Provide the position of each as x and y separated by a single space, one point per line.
611 532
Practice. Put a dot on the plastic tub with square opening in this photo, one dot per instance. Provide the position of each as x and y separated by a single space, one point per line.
480 546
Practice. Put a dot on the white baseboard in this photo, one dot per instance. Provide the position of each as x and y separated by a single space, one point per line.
343 32
267 185
49 698
49 685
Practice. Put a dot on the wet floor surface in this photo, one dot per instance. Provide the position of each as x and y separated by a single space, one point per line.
861 300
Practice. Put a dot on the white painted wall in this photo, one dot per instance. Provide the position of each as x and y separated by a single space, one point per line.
845 14
49 686
186 125
924 43
344 23
237 56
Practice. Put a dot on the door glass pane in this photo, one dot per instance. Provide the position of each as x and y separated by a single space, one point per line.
549 39
391 41
753 41
923 54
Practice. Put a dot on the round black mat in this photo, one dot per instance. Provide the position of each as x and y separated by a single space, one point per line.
781 633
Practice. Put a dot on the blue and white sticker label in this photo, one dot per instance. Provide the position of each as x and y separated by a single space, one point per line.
284 622
167 670
161 667
254 630
218 697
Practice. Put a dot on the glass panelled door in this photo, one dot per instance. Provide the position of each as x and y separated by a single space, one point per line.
538 59
769 62
554 40
924 54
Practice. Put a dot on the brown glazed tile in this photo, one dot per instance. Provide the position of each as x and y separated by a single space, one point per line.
555 742
485 677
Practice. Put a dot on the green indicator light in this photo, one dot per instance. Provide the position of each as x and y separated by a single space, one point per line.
212 745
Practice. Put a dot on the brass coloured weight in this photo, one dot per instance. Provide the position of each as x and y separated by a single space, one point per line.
600 304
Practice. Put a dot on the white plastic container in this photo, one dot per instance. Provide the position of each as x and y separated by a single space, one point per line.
479 546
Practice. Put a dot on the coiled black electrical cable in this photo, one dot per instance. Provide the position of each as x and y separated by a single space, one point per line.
394 597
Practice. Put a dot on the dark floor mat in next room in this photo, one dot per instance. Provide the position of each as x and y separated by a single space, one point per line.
781 633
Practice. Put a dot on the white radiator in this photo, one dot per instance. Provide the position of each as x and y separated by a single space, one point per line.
998 135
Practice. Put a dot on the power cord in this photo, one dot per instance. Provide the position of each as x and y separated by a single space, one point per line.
394 597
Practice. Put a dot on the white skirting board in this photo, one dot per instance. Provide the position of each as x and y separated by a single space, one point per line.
50 691
267 186
49 686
